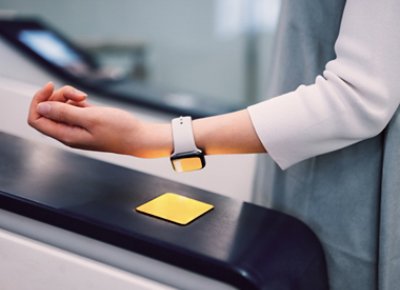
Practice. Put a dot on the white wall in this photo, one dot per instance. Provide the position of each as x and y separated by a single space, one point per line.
58 269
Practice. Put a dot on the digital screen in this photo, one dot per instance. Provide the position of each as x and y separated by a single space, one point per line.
53 49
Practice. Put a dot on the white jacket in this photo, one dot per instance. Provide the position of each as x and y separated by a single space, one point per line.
353 100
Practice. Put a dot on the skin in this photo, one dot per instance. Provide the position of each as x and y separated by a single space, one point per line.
66 115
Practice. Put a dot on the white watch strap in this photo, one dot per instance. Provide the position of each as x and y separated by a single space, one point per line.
182 133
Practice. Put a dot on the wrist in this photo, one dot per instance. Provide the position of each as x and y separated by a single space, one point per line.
151 140
161 144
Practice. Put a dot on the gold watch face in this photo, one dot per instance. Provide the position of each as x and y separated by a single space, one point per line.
175 208
185 164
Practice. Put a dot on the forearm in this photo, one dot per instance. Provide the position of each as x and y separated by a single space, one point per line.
231 133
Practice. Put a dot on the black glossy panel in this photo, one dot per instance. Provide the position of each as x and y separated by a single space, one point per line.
244 245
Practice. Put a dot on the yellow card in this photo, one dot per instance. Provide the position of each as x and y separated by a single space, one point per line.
175 208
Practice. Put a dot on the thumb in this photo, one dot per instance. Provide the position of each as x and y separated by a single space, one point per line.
63 113
42 95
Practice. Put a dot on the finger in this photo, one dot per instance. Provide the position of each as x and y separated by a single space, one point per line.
82 104
63 113
42 95
75 95
68 93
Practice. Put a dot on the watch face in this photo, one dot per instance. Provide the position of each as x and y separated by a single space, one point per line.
184 164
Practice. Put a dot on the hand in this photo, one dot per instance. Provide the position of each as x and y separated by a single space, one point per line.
65 115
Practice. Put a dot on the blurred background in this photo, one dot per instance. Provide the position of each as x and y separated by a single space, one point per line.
216 49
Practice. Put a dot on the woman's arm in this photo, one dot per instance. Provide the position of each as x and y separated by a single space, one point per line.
65 115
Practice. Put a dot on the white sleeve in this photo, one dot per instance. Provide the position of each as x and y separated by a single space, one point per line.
353 100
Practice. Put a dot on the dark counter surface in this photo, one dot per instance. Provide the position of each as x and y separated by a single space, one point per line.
244 245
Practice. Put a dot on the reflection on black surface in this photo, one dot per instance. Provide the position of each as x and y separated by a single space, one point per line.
45 177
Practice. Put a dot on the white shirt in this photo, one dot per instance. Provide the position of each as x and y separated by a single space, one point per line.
353 100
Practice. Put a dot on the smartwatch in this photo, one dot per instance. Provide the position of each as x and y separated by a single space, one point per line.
186 155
